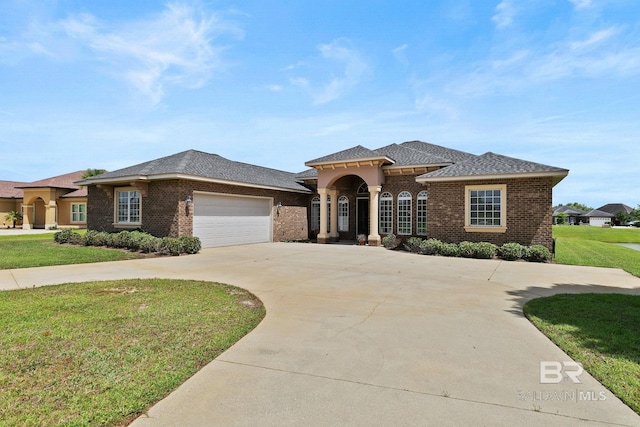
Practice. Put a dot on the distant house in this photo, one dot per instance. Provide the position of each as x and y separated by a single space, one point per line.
573 216
47 203
598 218
614 209
409 189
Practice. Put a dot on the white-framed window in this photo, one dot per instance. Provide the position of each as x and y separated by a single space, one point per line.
343 213
421 213
386 213
78 212
404 213
485 208
315 213
128 206
363 189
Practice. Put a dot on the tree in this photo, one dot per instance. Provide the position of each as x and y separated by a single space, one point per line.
92 172
580 206
561 218
14 217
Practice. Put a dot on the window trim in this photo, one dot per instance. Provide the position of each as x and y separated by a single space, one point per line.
502 228
343 213
116 199
315 208
422 196
404 197
385 197
79 213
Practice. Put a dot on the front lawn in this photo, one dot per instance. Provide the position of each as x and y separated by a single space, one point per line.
38 250
595 246
101 353
601 331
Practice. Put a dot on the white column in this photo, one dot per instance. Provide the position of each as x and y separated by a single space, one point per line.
322 235
333 234
374 193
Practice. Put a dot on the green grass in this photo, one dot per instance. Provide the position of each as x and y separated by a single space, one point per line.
38 250
101 353
595 246
601 331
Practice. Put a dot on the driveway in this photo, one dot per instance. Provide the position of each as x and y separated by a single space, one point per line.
366 336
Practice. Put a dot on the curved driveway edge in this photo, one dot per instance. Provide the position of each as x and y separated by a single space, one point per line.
365 336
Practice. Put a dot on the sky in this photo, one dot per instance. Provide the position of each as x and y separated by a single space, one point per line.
109 84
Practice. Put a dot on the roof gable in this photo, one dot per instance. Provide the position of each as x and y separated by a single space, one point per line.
449 154
614 208
491 165
599 214
61 181
357 153
405 156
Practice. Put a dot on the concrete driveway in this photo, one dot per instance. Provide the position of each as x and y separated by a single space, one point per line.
366 336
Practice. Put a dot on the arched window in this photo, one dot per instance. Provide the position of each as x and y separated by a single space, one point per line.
386 213
315 213
404 213
421 213
363 189
343 213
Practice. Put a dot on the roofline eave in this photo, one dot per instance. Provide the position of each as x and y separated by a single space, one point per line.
384 159
161 177
559 175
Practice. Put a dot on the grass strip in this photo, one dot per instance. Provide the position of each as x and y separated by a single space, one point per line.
101 353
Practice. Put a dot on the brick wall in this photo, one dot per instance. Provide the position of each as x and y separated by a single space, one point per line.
165 213
290 223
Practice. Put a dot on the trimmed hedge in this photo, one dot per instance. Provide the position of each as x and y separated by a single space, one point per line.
481 250
136 241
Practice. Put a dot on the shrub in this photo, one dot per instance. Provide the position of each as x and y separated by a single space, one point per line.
485 250
431 247
450 249
537 253
467 249
137 238
390 241
121 240
190 245
96 238
149 244
169 246
512 251
413 244
67 236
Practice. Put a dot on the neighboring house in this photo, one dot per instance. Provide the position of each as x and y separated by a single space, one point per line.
573 216
409 189
614 209
598 218
47 203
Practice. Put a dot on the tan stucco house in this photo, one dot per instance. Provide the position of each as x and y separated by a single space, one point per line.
54 202
409 189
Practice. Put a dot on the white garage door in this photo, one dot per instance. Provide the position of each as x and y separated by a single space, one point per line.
223 220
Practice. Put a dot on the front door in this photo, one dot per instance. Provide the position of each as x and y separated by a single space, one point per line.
363 216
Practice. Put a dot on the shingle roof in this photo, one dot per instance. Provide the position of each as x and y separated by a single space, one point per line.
205 165
449 154
405 155
614 208
599 213
568 210
492 165
354 153
60 181
10 190
307 174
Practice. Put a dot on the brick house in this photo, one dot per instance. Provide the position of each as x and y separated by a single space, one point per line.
409 189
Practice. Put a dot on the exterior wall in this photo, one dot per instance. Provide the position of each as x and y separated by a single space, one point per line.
64 213
290 223
164 211
529 215
6 206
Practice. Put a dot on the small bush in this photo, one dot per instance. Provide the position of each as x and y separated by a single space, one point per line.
190 245
485 250
96 238
450 249
149 244
431 247
413 244
537 253
67 236
512 251
169 246
121 240
467 249
390 241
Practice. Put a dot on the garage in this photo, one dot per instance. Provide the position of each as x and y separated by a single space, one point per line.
226 220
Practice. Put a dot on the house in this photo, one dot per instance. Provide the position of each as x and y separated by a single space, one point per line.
614 209
598 218
47 203
409 189
573 216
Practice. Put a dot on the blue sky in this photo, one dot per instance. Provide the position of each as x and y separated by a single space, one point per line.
108 84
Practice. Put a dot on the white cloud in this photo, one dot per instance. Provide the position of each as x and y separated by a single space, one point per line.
345 65
400 54
581 4
505 12
274 88
595 38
